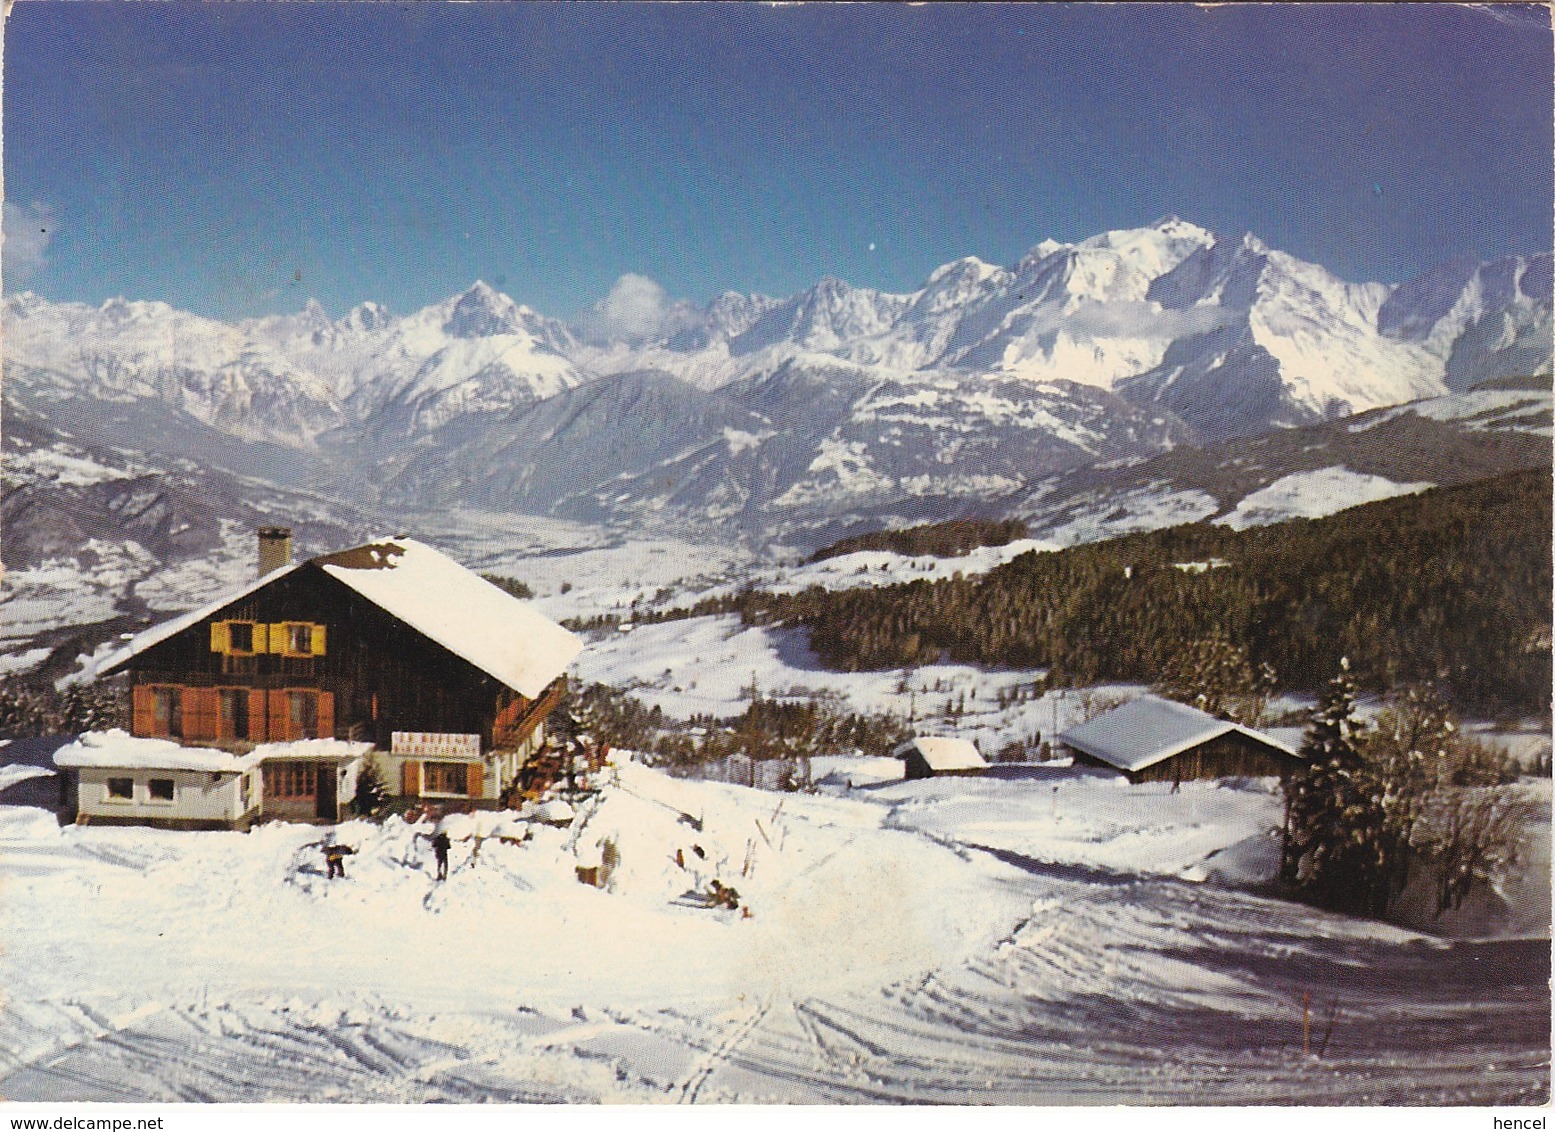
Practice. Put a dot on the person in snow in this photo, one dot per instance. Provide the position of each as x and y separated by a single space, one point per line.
440 846
335 858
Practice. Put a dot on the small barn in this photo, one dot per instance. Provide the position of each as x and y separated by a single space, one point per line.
1155 740
932 756
391 647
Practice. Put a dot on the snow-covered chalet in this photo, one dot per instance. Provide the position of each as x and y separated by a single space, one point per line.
1151 739
266 702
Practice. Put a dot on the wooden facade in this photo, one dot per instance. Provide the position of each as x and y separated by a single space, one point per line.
304 657
1232 755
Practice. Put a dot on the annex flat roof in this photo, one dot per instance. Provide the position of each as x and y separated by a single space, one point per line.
1149 730
117 749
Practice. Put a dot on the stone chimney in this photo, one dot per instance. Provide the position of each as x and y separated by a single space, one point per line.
275 548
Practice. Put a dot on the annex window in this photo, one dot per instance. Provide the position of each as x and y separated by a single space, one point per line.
291 781
447 778
160 789
121 789
167 712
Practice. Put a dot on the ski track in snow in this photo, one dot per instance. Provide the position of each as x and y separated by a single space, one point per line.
892 958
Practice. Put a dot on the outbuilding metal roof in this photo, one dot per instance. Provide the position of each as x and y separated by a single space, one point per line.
504 637
1149 730
943 753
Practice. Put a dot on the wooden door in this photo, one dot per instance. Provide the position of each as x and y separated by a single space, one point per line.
328 783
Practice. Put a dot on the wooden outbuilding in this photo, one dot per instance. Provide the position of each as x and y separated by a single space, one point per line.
1151 739
934 756
445 677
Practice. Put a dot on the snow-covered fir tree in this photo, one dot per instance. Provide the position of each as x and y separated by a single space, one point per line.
1328 807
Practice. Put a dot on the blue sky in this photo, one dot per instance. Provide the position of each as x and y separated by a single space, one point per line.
236 159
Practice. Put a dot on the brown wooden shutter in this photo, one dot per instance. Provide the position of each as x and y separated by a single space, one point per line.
410 778
326 715
476 779
143 710
318 640
256 715
279 718
189 712
202 713
220 640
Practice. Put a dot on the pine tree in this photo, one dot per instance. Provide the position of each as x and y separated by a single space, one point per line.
372 792
1327 808
1215 675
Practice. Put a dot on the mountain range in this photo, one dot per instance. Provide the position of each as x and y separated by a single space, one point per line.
790 418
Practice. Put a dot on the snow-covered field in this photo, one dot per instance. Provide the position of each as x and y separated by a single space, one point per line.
1037 936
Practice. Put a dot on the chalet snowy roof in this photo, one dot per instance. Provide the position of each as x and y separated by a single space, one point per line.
1149 730
943 753
496 632
504 637
118 750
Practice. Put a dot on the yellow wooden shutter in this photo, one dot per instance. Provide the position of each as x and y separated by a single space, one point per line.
318 640
277 635
221 641
261 637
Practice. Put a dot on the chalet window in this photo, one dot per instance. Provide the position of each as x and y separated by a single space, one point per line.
304 711
234 713
238 638
447 778
160 789
121 789
167 712
297 638
291 781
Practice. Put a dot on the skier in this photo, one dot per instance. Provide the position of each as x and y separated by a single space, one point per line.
440 845
335 858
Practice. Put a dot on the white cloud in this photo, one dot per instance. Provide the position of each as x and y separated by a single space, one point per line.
28 230
636 309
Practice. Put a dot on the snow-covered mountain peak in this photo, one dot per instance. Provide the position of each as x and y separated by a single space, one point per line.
483 311
1179 229
366 318
967 267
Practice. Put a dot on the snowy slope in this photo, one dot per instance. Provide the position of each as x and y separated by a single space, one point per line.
966 941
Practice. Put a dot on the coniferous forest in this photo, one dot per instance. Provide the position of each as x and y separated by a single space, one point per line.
1449 587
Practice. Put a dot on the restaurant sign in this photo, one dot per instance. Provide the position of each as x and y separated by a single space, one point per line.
434 745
